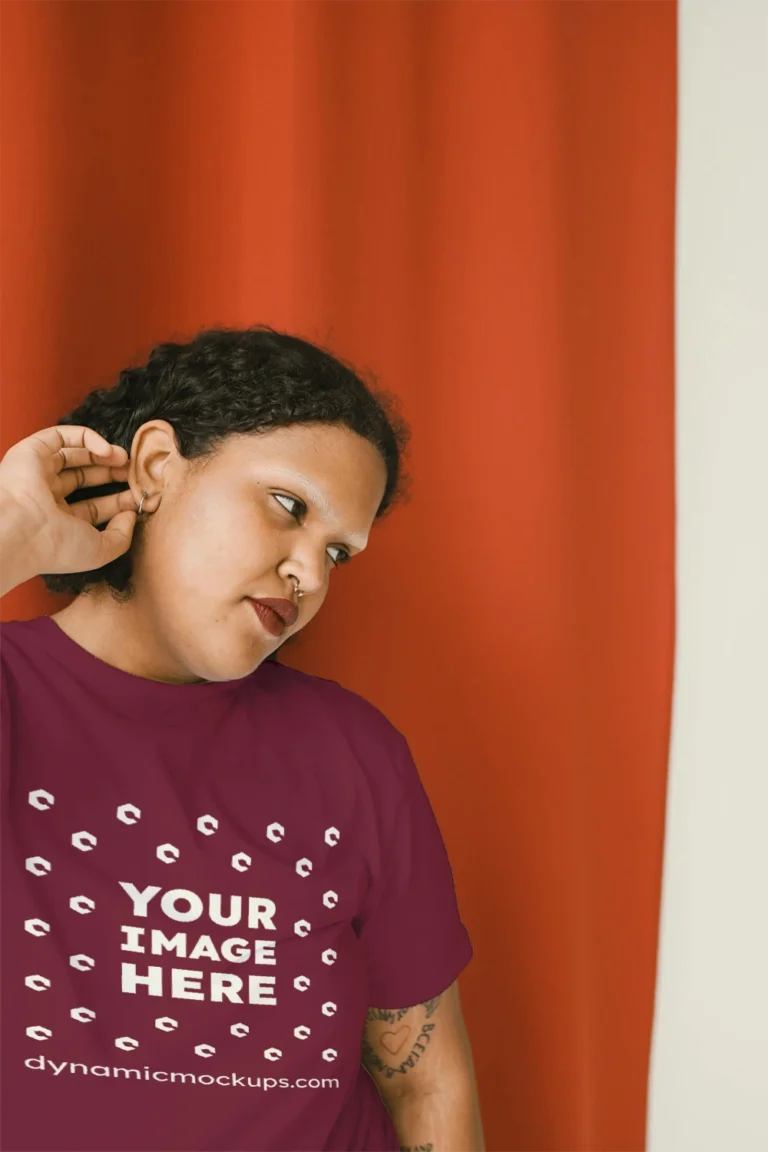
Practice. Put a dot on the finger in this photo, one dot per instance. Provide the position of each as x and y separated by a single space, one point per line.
74 458
114 452
88 477
81 457
116 537
104 507
53 439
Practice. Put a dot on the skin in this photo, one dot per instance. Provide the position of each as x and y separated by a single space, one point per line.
421 1062
219 532
224 530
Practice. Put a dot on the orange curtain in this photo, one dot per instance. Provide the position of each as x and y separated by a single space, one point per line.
476 201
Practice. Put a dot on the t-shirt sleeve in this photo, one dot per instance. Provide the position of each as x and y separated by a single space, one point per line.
410 927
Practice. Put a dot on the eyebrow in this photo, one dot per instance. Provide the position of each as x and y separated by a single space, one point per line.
319 501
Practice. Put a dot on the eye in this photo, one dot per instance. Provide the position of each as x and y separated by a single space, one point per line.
343 557
297 516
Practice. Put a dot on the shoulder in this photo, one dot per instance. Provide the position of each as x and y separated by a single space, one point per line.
327 701
17 637
329 711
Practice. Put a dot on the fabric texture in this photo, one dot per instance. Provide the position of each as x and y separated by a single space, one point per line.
204 887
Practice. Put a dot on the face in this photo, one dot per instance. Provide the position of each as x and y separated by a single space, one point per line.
297 501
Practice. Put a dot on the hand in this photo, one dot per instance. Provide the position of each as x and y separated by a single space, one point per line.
44 533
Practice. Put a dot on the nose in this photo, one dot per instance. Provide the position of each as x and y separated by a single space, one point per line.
311 577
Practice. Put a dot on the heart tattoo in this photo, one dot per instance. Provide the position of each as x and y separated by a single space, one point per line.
393 1041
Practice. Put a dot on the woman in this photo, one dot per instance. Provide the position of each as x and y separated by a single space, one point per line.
218 872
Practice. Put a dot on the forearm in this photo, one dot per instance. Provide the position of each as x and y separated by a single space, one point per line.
17 562
446 1120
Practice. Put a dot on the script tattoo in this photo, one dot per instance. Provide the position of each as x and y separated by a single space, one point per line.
393 1015
399 1040
418 1148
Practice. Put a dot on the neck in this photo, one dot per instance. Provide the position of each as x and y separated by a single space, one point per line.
123 635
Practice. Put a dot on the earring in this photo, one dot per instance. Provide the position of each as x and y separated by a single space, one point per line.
143 497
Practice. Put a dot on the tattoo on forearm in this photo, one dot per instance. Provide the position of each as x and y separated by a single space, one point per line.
418 1148
396 1041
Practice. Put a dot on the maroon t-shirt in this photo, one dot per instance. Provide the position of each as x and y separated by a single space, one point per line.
204 888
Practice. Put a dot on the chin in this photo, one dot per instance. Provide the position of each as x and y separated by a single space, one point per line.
227 661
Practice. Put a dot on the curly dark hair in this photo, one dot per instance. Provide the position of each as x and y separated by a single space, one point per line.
227 381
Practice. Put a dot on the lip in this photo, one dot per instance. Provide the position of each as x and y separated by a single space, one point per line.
282 614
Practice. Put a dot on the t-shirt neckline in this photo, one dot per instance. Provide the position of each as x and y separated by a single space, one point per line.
100 675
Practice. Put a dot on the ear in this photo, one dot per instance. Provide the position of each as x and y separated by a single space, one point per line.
153 449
